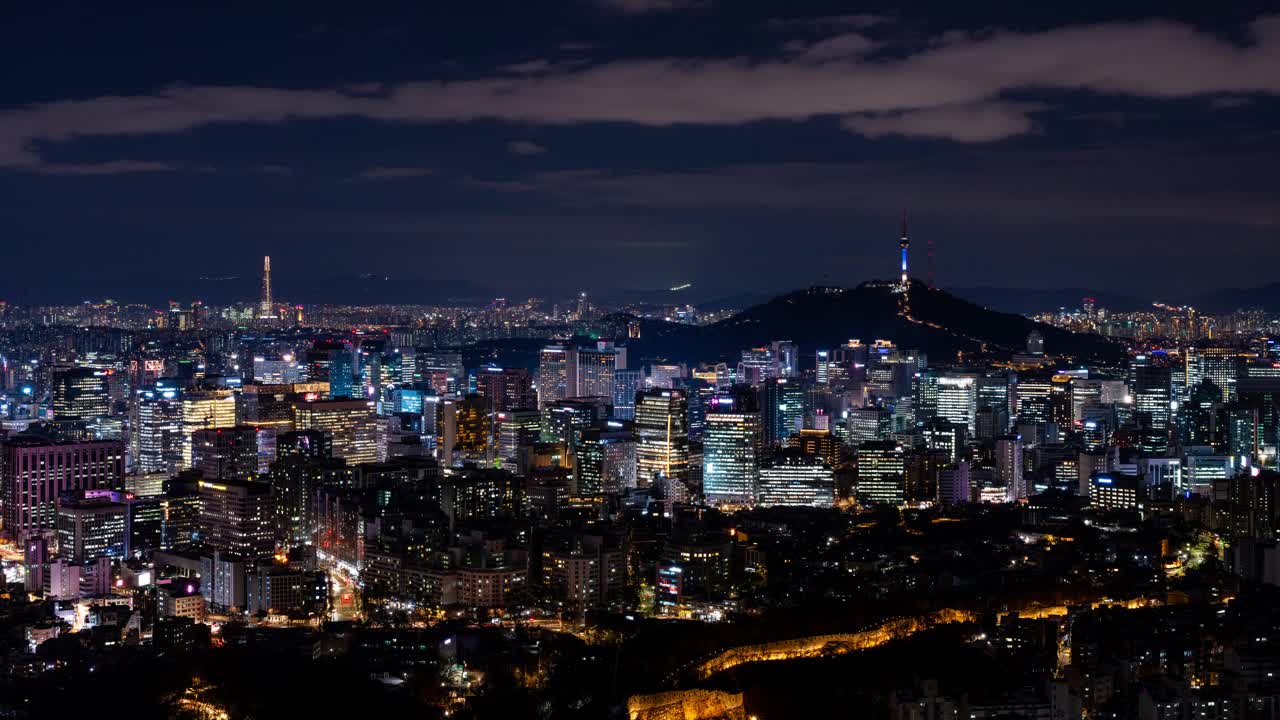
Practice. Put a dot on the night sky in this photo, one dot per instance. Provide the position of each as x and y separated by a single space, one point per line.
636 144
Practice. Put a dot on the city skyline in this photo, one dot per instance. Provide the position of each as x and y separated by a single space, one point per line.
591 359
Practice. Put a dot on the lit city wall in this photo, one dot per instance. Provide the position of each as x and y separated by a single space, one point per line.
839 643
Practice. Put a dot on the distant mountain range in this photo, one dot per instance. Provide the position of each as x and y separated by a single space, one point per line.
942 324
1034 300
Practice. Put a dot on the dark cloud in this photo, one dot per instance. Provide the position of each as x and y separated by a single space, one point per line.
111 167
1231 102
846 45
916 92
974 123
524 147
280 170
827 23
642 7
374 174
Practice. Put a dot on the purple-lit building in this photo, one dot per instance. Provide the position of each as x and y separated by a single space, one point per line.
37 470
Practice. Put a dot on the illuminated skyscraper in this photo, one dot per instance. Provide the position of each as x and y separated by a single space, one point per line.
731 457
821 367
790 477
1152 404
91 524
782 407
266 306
238 517
756 365
35 470
881 473
595 368
626 383
505 389
517 430
204 409
1219 364
155 435
786 359
80 393
868 424
554 375
605 459
350 424
957 400
662 433
1009 467
229 453
332 362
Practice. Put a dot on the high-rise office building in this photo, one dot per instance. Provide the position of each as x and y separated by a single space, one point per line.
556 379
868 424
505 389
791 477
304 443
822 366
1152 404
731 457
91 524
351 425
333 362
605 459
822 444
595 369
1009 467
226 453
36 470
954 484
1198 414
80 393
156 433
472 427
662 434
517 430
626 383
271 406
944 437
881 473
786 359
1113 491
662 377
1218 364
443 371
756 365
957 400
564 419
782 409
238 517
204 409
1033 392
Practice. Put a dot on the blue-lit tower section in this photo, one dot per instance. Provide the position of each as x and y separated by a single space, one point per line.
904 285
904 243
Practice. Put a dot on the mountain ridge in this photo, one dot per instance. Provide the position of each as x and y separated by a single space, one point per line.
941 324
